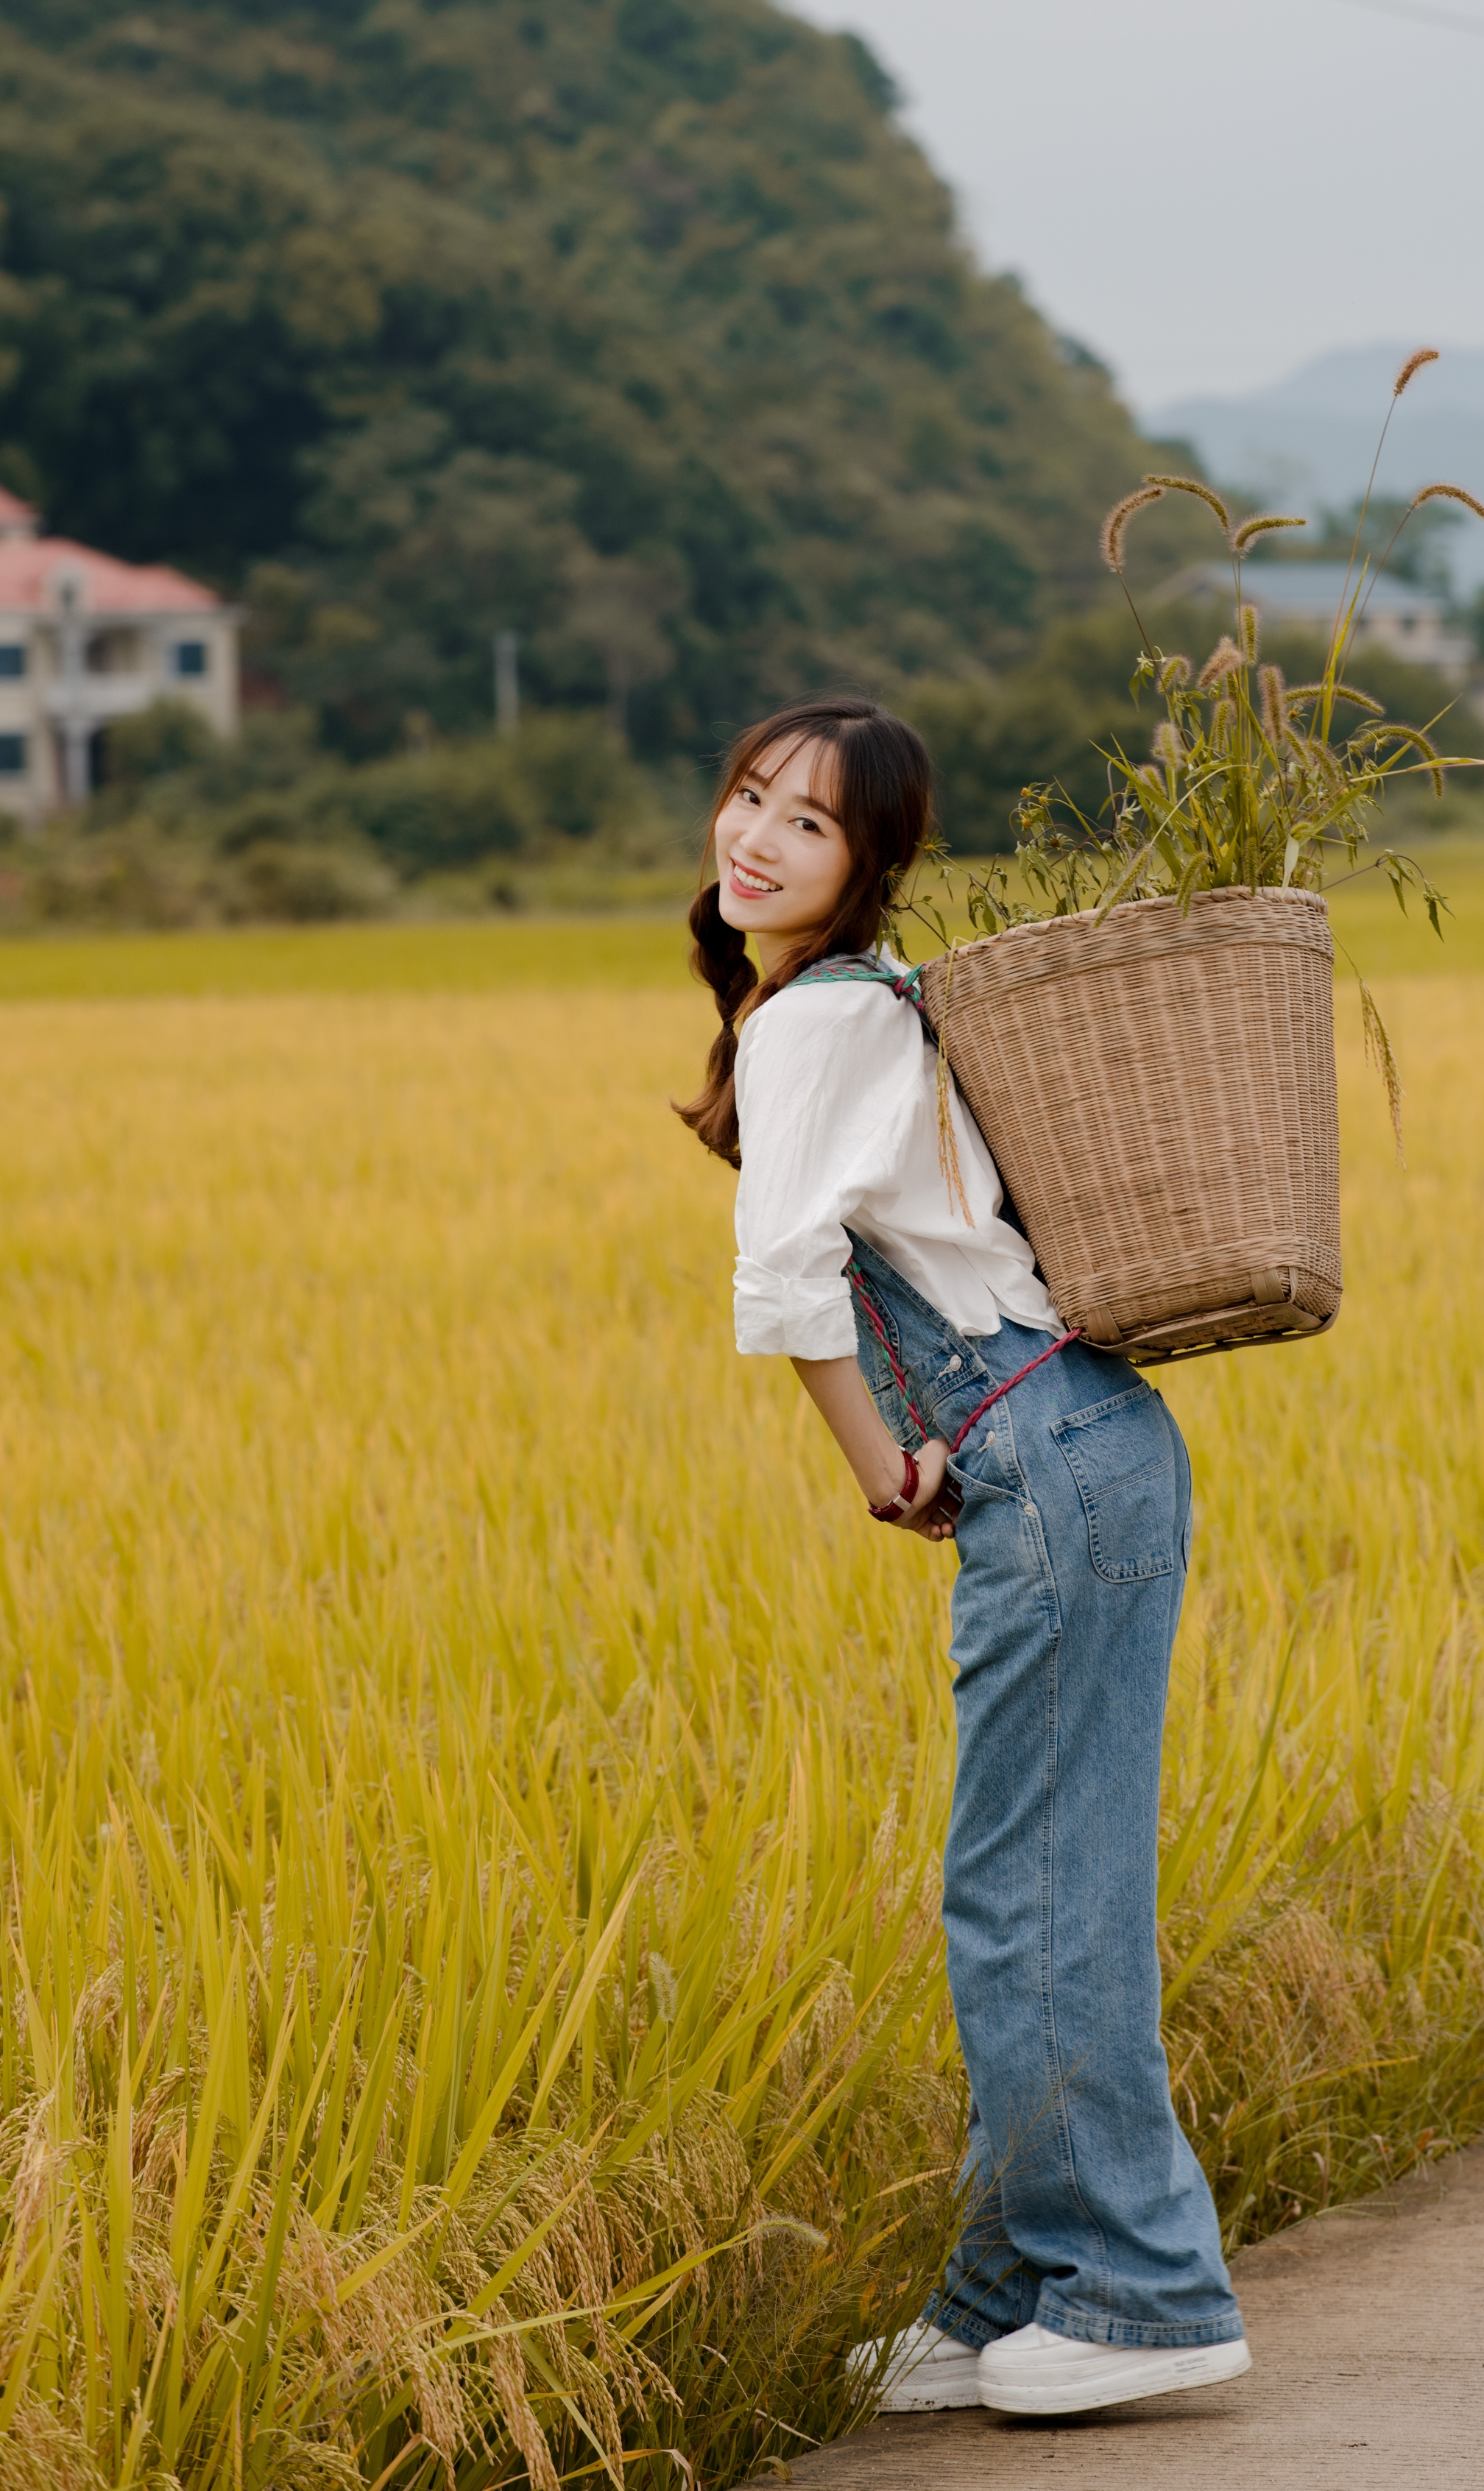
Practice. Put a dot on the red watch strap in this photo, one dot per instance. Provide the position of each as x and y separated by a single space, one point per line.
906 1500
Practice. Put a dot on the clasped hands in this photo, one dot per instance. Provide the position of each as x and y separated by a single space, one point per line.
837 1390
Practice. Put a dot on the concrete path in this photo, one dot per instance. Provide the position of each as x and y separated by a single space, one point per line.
1367 2335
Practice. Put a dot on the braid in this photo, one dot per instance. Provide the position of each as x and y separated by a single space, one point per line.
718 958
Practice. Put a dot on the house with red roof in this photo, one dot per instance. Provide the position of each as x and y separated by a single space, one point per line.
85 639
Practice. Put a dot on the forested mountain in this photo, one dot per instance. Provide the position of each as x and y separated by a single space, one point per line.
635 325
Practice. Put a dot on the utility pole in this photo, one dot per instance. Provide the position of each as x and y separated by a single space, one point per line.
507 682
71 708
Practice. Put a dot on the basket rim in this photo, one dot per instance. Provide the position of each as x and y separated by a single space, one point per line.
1128 909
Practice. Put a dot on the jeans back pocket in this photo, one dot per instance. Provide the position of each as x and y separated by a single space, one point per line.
1121 1457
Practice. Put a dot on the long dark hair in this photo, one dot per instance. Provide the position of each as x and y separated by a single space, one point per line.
884 803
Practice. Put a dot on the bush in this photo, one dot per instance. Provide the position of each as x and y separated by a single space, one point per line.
987 743
308 885
138 876
561 775
169 736
446 806
577 778
195 831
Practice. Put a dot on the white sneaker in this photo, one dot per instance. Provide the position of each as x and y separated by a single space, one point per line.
927 2372
1033 2371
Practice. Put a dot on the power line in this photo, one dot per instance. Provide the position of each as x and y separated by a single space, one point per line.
1456 21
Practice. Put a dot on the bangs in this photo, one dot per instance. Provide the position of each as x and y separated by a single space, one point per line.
788 737
814 794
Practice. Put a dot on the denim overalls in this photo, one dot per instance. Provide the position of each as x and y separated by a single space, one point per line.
1087 2208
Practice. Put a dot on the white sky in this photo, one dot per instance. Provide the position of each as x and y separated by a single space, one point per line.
1208 196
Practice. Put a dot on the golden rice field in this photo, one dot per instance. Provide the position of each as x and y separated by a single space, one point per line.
471 2005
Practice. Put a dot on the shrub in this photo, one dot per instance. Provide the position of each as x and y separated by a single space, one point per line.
308 884
576 777
168 736
446 806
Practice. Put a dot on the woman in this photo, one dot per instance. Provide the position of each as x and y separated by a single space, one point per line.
1090 2268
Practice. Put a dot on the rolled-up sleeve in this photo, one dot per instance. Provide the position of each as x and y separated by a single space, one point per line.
819 1087
780 1316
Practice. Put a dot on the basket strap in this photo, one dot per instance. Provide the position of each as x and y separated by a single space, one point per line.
856 970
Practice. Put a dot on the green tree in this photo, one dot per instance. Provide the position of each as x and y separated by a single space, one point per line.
414 323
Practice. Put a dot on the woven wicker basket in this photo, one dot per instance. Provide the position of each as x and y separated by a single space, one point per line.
1158 1092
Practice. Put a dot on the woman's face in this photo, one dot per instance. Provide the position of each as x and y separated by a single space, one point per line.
781 855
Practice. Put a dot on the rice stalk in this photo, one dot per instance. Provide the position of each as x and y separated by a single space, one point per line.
472 2004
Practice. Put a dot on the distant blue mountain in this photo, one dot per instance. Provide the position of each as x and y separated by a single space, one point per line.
1310 439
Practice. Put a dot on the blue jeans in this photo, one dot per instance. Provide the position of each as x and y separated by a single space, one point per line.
1085 2207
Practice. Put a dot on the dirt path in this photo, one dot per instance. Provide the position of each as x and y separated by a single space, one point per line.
1367 2335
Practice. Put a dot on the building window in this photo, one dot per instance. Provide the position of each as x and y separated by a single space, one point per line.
190 656
13 659
13 756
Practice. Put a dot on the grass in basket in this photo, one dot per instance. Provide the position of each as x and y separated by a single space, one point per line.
1254 784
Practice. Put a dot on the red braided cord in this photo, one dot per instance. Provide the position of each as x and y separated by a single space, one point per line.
1000 1390
856 1282
975 1415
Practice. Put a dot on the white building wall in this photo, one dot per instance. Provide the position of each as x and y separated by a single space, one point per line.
128 661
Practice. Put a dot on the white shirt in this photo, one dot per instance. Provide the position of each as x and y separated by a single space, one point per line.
836 1098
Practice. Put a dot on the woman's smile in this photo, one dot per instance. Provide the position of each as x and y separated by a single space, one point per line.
784 809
